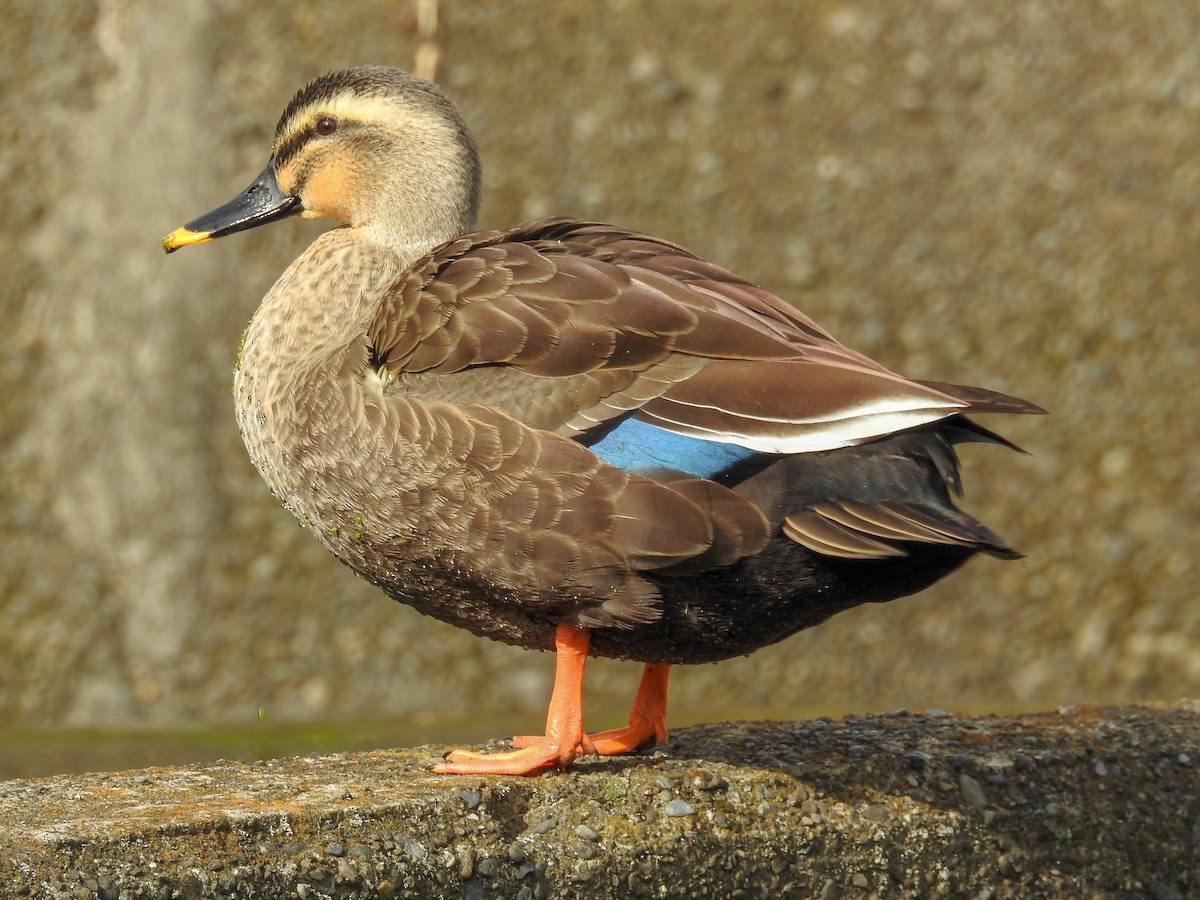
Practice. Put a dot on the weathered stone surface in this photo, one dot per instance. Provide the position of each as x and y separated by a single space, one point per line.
1080 803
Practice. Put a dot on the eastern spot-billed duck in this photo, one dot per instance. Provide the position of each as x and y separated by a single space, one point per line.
569 435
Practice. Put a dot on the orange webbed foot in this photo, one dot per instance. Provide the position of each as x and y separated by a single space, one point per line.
529 760
647 719
565 738
564 722
520 741
616 741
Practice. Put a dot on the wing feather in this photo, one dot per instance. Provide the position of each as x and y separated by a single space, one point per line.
611 321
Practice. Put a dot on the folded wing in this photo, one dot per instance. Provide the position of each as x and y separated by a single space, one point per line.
577 325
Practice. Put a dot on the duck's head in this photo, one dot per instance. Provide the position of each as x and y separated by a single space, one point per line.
376 148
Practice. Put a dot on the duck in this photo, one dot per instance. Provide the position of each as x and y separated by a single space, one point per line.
568 435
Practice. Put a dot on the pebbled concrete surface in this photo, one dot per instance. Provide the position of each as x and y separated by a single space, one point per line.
1083 802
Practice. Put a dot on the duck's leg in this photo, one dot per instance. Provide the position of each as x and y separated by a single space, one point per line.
647 717
647 720
564 721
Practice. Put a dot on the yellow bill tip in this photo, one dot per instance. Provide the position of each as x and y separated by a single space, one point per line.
181 237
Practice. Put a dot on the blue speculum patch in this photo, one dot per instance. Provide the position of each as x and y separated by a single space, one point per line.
634 445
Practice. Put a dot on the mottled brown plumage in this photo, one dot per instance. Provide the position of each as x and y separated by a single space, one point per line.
570 435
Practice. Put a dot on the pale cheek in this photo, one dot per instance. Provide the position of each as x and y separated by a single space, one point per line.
328 194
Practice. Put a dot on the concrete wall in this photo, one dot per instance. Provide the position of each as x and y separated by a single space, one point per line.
1000 194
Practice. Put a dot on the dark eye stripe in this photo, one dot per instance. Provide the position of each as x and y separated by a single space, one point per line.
292 145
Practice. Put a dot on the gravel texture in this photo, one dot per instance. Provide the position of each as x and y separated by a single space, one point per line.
896 805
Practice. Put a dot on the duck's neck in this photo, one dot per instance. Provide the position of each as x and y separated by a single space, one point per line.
321 303
298 383
405 245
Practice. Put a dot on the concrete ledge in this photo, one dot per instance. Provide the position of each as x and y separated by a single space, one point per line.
1082 802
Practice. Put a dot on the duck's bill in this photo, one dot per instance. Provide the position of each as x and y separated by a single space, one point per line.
258 204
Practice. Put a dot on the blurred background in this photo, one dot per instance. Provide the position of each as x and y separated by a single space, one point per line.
997 194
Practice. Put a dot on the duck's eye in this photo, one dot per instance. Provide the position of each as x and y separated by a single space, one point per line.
327 126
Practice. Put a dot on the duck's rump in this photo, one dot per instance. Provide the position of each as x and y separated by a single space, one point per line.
904 534
765 598
858 525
